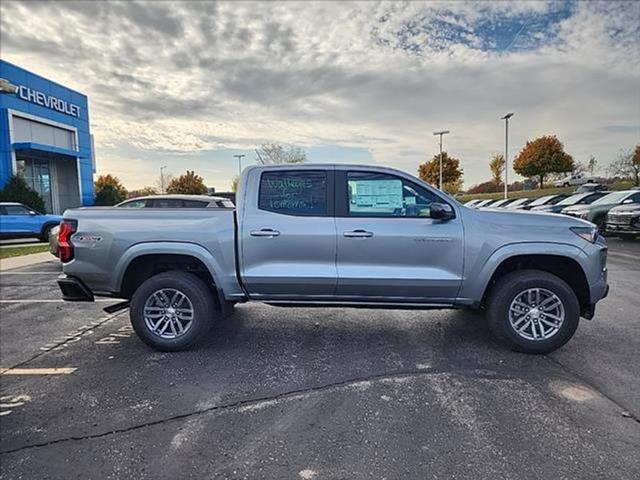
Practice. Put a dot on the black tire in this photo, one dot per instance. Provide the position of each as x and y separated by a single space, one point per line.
508 288
44 235
198 294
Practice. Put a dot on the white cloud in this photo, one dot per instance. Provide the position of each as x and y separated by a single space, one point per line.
164 79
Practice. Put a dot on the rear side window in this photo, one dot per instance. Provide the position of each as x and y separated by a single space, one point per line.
166 203
294 193
194 204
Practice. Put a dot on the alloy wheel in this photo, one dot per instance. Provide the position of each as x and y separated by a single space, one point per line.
536 314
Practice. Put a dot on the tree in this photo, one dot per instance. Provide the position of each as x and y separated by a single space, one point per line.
143 192
497 169
274 154
189 183
627 165
451 173
17 190
541 157
234 184
109 190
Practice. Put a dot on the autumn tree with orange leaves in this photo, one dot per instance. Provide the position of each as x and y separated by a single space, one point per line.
541 157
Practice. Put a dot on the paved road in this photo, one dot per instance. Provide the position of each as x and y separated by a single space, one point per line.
317 393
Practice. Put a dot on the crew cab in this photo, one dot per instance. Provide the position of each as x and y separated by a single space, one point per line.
336 236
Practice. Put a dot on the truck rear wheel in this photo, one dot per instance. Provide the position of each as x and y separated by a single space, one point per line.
172 310
532 311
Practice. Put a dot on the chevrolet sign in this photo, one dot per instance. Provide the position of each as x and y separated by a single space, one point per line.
49 101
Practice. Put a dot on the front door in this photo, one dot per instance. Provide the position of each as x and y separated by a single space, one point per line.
389 249
288 235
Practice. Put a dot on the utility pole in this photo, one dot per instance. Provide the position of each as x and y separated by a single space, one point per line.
162 179
441 133
239 157
506 150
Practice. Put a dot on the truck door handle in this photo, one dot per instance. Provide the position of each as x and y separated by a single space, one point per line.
265 232
358 234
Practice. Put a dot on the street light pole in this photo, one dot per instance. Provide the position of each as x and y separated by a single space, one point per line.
239 157
441 133
162 179
506 150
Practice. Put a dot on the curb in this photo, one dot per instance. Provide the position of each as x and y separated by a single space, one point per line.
25 260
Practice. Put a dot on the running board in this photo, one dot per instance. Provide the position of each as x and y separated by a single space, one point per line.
116 307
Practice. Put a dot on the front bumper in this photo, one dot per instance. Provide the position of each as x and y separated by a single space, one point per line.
74 290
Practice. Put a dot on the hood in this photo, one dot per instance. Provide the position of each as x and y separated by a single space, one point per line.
632 207
578 208
532 219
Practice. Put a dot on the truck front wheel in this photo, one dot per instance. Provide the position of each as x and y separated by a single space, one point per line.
532 311
172 310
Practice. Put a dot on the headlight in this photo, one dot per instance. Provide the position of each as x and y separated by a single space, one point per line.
587 233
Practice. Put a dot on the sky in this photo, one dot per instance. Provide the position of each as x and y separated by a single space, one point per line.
187 85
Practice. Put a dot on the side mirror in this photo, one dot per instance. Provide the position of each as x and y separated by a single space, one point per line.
628 200
31 212
441 211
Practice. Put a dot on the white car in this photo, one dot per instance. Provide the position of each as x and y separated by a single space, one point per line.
573 180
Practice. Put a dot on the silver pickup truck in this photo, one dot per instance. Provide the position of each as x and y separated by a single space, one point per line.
336 235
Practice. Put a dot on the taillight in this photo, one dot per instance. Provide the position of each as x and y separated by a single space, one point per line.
65 247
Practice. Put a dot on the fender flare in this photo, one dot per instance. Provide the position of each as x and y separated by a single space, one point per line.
483 275
170 248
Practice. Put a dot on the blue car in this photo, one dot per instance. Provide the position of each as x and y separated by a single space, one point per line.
18 220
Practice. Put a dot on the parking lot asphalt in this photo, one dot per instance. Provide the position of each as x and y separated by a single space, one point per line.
315 393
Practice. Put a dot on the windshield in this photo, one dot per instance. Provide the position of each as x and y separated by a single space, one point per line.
614 197
542 200
518 202
573 199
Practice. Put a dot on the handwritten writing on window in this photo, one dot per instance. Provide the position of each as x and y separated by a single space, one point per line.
294 192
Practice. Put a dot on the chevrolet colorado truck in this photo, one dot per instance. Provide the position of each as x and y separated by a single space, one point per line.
342 236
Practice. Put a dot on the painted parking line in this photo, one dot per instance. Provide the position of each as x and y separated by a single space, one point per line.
623 255
57 300
37 371
29 273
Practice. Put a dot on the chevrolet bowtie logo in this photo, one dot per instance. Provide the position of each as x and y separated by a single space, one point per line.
7 87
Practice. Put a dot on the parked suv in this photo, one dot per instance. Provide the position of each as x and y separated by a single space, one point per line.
597 211
576 199
20 221
177 201
624 221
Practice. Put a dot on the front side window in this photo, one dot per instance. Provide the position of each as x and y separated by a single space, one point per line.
16 210
383 195
294 193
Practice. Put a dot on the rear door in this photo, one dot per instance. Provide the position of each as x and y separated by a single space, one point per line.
288 234
389 249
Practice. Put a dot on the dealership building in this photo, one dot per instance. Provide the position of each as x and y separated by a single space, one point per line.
45 137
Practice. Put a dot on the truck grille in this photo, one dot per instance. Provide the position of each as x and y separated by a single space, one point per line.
618 219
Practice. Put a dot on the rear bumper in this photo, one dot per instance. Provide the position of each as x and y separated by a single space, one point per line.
73 290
